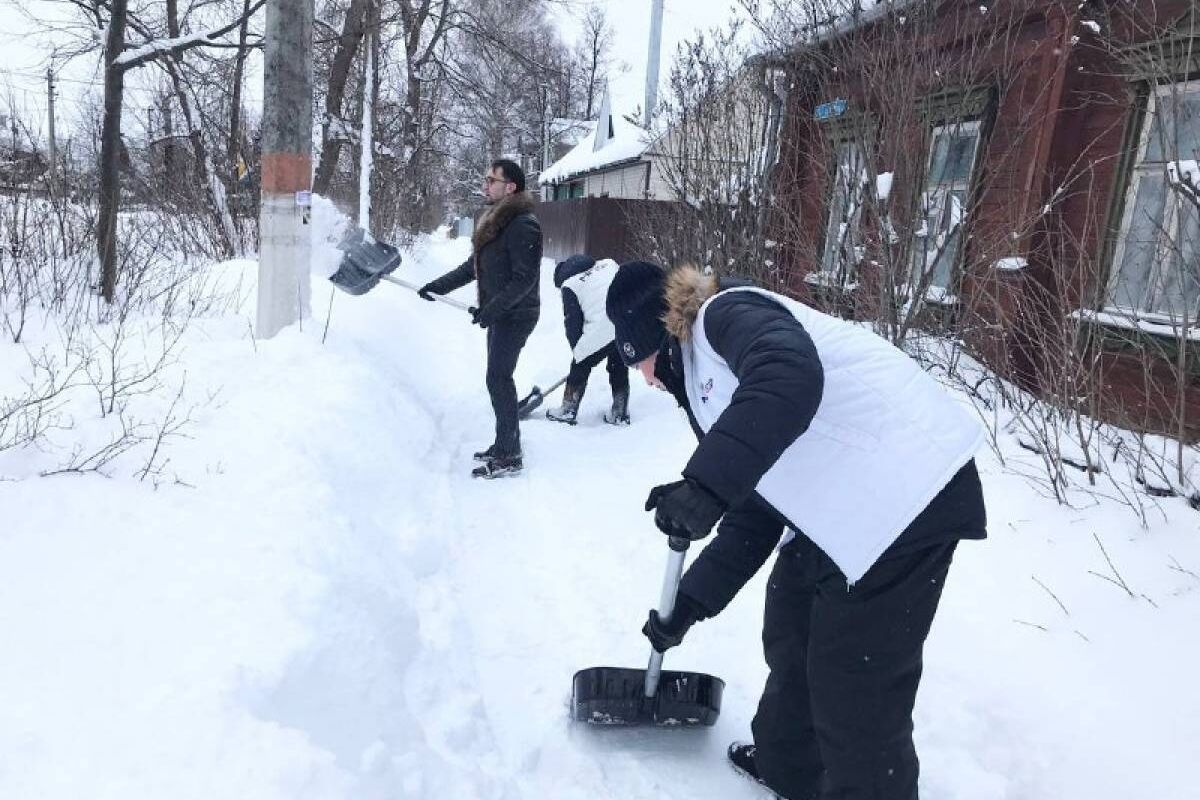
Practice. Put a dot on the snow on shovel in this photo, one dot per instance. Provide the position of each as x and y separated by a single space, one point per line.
625 696
366 262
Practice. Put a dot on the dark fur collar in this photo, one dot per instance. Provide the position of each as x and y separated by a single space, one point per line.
496 218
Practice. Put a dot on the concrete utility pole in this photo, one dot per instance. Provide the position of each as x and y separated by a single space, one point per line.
285 249
53 168
652 59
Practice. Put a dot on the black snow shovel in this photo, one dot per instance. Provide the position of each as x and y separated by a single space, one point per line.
650 696
365 263
535 398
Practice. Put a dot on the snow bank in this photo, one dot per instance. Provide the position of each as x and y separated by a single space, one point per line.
326 605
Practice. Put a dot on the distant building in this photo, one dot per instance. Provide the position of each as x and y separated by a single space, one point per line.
610 159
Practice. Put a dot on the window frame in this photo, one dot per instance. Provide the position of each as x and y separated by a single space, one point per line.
934 292
1132 175
834 276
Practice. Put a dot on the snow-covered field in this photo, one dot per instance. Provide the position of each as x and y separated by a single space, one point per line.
315 600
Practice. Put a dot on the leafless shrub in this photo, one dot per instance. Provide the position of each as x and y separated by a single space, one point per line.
123 354
720 119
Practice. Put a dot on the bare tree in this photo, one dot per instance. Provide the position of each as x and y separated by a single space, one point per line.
110 142
163 43
234 149
719 113
335 131
595 60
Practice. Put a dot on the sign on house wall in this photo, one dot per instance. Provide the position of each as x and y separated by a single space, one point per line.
834 108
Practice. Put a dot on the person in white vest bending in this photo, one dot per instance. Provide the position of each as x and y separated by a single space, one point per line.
813 425
584 282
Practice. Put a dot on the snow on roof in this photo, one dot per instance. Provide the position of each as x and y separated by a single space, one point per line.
627 142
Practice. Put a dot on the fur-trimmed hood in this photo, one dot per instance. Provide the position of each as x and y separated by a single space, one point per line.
687 290
496 218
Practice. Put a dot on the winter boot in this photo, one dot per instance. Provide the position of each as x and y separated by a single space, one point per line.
498 467
485 455
619 413
568 412
741 755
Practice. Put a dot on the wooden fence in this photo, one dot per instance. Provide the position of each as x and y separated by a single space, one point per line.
598 226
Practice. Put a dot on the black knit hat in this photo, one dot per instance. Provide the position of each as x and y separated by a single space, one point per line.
636 305
571 267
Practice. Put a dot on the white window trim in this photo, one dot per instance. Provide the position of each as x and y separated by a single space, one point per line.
1158 326
1118 257
829 276
933 294
829 280
973 126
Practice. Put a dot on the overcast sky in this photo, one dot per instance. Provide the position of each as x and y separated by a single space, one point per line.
682 20
23 57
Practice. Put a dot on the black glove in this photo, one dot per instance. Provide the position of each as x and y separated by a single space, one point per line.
484 317
685 508
427 291
665 635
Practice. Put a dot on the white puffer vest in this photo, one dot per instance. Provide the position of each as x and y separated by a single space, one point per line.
591 289
885 440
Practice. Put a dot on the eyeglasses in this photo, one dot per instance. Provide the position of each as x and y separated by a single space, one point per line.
489 180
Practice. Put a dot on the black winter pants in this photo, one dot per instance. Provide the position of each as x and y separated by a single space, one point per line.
505 338
618 373
835 719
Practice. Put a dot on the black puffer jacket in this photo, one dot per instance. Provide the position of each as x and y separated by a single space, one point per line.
506 259
780 382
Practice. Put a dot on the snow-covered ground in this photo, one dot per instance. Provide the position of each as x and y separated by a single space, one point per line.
315 600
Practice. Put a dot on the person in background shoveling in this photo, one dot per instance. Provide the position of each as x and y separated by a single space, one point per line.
506 261
584 282
816 425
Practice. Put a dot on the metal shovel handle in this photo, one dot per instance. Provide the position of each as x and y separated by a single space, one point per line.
666 605
447 300
553 386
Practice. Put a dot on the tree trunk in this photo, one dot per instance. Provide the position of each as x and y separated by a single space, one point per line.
343 59
214 189
235 111
206 173
376 45
110 151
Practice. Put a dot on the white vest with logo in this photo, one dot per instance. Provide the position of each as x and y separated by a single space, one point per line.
885 440
591 289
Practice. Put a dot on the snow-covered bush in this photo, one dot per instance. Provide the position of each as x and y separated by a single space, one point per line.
68 357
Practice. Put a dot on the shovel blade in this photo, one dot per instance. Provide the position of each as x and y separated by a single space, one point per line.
616 696
363 265
530 403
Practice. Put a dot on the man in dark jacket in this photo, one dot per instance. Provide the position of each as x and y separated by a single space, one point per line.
505 261
815 426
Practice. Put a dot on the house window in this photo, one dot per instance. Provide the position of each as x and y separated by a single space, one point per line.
952 152
843 237
577 189
1157 257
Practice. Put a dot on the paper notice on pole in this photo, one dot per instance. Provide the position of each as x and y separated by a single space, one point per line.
304 199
